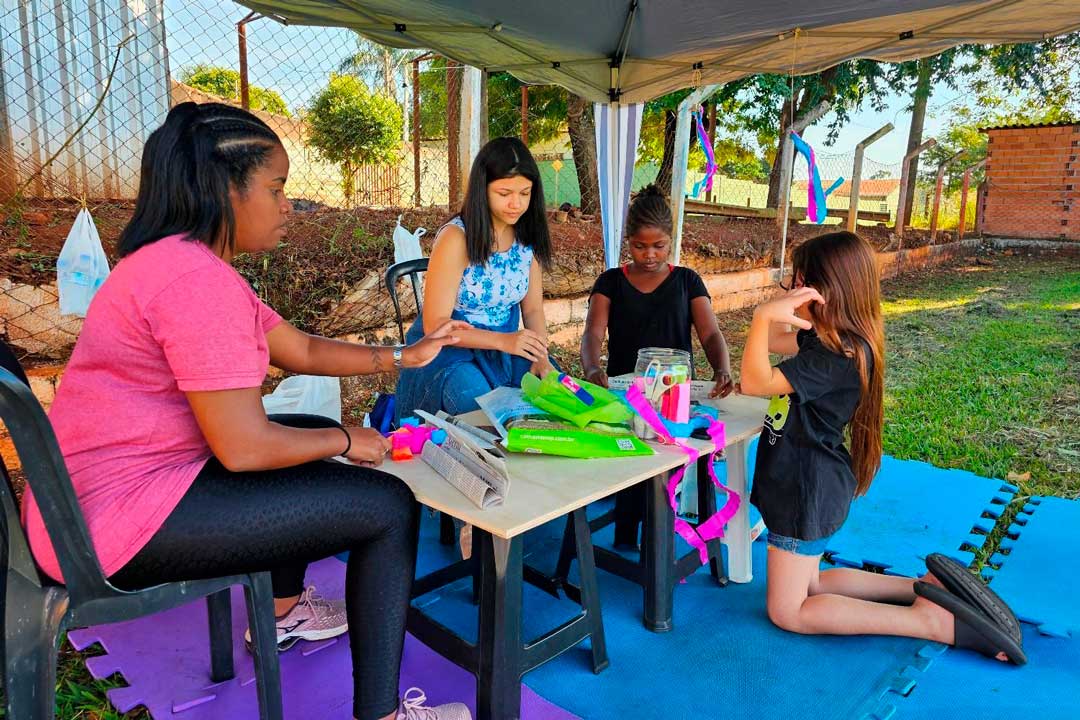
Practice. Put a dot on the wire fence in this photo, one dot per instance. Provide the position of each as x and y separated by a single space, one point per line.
83 84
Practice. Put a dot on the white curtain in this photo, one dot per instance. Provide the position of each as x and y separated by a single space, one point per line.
618 128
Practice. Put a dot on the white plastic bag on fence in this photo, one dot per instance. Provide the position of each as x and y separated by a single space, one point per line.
407 244
81 266
308 394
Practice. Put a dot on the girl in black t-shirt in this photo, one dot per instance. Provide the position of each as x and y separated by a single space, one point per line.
648 303
805 478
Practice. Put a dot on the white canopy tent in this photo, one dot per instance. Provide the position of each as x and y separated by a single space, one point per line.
621 53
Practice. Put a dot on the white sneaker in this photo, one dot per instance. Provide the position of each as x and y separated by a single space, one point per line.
413 708
312 618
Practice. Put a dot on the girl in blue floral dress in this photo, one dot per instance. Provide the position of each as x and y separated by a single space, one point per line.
485 268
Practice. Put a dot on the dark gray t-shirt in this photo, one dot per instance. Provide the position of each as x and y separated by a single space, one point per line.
803 480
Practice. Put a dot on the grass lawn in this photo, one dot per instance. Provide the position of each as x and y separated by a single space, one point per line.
983 374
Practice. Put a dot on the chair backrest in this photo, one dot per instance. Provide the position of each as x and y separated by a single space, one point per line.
46 474
394 273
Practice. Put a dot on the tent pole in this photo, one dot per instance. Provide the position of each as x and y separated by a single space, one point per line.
678 168
787 167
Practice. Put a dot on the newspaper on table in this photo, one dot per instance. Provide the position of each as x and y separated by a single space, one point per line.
506 406
478 474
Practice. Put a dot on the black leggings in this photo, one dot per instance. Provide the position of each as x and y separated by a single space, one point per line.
280 520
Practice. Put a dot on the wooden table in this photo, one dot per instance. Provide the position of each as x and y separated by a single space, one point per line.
545 488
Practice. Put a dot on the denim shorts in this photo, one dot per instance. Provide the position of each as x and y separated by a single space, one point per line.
799 547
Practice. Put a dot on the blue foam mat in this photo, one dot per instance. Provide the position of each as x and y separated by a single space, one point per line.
914 509
1037 576
723 660
960 684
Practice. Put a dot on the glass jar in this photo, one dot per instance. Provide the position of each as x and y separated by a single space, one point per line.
665 360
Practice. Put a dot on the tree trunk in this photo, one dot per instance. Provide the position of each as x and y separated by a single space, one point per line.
667 161
582 129
773 200
915 133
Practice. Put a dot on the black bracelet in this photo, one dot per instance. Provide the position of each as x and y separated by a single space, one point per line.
347 437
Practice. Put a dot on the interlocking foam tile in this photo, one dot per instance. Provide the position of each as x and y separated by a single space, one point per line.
962 684
914 509
724 659
165 660
1037 575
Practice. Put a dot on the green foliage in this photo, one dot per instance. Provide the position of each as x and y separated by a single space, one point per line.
350 127
547 109
433 100
225 83
378 65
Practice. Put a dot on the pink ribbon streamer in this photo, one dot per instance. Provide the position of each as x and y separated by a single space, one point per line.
713 527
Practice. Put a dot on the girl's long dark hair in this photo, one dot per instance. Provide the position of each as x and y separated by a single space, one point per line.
843 268
502 158
188 166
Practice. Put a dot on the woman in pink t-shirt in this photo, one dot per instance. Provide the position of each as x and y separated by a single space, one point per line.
179 471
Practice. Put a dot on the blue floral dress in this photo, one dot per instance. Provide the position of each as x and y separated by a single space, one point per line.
489 298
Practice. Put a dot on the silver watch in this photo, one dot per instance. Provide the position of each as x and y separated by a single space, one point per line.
398 349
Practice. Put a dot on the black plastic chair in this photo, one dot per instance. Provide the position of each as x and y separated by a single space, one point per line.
36 610
410 269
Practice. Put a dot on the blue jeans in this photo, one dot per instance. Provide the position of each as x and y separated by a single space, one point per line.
799 547
465 382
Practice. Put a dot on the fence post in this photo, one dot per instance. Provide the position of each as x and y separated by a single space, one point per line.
787 166
856 174
525 114
453 131
416 130
903 199
241 43
937 194
964 196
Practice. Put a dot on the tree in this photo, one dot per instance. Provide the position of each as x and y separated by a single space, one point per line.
1049 69
547 108
378 65
766 104
349 126
582 130
225 84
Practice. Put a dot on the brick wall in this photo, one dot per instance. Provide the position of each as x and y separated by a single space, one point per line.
1033 183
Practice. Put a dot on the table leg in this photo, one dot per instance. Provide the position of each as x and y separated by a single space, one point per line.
498 681
738 529
659 551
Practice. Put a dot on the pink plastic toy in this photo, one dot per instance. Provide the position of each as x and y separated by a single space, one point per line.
409 440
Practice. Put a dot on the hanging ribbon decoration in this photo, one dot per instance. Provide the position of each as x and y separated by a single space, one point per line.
710 160
815 196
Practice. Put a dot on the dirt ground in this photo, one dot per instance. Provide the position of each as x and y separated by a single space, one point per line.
327 251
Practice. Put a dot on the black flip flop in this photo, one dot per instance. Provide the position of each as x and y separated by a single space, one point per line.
974 631
962 583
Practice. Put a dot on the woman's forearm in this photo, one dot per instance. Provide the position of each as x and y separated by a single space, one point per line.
338 358
756 370
534 320
716 351
590 353
276 446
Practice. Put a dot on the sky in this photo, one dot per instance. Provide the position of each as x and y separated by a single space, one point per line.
296 61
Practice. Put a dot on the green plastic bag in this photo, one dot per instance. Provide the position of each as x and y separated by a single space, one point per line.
554 398
561 438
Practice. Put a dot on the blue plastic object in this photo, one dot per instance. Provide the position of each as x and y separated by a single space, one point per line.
1038 577
914 509
959 684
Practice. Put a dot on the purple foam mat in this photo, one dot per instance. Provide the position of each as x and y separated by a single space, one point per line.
165 659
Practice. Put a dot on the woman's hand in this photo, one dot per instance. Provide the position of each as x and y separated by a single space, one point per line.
597 377
368 446
784 308
427 348
723 384
528 344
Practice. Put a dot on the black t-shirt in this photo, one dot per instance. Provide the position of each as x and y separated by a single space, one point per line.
638 320
803 480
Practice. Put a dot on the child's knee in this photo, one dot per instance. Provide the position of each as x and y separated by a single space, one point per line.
785 615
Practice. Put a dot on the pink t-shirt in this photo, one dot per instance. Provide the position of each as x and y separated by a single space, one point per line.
171 318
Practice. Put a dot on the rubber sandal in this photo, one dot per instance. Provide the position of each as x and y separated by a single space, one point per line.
962 583
974 631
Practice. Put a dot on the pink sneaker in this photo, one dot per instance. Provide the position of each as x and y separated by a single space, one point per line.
413 708
312 618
